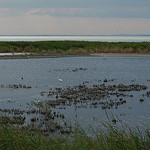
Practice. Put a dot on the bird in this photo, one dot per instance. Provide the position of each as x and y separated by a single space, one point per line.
61 80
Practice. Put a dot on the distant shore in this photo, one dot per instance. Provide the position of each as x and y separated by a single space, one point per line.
25 56
44 49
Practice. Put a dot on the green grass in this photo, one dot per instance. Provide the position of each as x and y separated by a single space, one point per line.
12 138
74 47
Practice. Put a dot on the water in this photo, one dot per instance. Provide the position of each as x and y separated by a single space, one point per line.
111 38
42 75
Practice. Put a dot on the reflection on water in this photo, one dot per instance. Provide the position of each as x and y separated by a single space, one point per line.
25 80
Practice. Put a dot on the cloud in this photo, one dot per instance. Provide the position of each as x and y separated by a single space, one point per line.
74 16
109 12
49 3
77 8
13 12
59 12
29 25
101 12
71 3
74 12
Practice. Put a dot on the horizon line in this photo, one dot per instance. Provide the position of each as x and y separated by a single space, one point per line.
78 35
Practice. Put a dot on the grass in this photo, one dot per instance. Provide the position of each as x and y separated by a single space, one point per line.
74 47
12 138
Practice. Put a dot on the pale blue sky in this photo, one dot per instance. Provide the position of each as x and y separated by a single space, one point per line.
82 17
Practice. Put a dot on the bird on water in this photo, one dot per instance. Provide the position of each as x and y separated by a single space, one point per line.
61 80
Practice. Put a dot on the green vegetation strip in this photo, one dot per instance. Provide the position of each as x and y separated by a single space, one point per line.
74 47
12 138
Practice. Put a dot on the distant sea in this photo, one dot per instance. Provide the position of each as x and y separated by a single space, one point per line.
104 38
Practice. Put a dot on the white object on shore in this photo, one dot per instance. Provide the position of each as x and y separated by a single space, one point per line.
13 54
60 79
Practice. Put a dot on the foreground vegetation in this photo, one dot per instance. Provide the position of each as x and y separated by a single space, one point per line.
74 47
12 138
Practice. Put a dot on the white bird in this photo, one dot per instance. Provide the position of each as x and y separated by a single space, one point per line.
61 80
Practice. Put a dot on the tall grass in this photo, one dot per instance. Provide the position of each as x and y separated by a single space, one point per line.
12 138
75 47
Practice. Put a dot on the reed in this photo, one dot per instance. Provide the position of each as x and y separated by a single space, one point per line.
74 47
110 139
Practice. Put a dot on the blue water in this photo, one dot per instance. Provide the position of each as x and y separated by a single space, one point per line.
111 38
42 75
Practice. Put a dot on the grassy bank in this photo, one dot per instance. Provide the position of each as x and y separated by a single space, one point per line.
74 47
112 139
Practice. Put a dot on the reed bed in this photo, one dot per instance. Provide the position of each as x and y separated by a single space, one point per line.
74 47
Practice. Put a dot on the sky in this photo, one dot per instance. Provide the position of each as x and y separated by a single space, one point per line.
74 17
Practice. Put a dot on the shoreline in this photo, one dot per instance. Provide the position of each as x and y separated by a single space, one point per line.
122 54
34 56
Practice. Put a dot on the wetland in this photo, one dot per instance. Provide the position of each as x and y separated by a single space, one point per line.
92 89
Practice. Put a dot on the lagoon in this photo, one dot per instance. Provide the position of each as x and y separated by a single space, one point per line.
24 81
